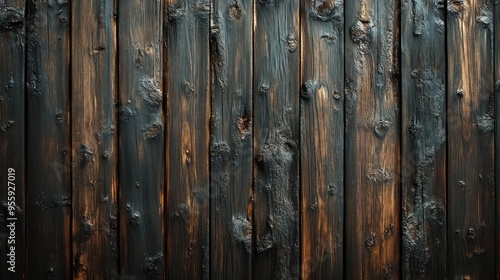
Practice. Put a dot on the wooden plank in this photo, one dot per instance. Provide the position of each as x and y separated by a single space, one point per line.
94 178
188 116
372 140
497 131
276 139
141 139
231 139
12 139
48 233
322 139
471 231
423 156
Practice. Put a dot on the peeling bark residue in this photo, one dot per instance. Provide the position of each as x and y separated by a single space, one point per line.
175 13
153 130
235 12
86 154
202 9
154 266
456 6
52 202
217 55
219 159
360 34
85 228
327 10
241 232
419 19
149 90
275 159
11 18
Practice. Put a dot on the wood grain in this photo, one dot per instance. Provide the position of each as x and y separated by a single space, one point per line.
423 157
471 198
12 136
276 139
94 178
497 131
322 139
48 232
141 139
187 83
372 140
231 139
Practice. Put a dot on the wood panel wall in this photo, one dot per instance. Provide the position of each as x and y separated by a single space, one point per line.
250 139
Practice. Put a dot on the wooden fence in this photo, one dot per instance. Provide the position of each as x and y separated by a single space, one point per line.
240 139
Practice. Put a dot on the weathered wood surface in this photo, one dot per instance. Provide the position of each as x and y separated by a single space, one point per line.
322 139
231 139
423 131
372 140
141 139
12 135
94 177
187 80
497 130
470 114
276 139
49 195
251 139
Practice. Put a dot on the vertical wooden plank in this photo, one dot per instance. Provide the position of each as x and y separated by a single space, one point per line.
372 140
188 113
497 131
322 139
12 138
94 178
141 138
276 139
231 139
48 231
423 139
471 198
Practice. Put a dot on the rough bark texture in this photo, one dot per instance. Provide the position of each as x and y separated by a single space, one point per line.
231 139
93 125
471 181
141 139
322 139
372 139
276 139
423 159
12 135
188 116
48 232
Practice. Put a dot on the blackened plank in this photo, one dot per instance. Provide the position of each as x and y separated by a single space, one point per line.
423 156
372 140
12 138
322 139
48 232
471 198
141 139
276 139
188 117
94 178
497 131
231 139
